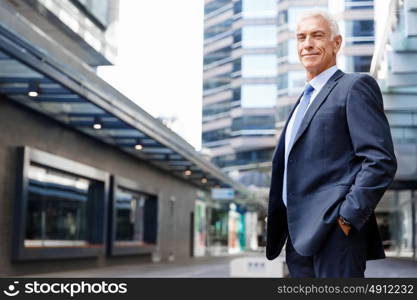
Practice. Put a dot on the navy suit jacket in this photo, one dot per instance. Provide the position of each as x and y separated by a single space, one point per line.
341 162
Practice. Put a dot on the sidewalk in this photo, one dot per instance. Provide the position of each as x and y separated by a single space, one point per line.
215 267
219 267
392 268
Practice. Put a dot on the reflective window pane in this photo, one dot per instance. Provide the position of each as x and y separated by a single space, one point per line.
58 207
136 218
259 8
258 36
259 65
258 95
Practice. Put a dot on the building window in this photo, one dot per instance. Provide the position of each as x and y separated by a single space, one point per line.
216 135
215 5
358 63
216 108
359 28
296 82
282 81
282 18
292 52
237 7
253 122
258 95
259 8
259 36
217 29
259 65
135 218
283 112
57 211
359 4
244 157
217 82
282 49
237 36
96 10
60 209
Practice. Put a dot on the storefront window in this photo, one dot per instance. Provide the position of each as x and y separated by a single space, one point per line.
218 231
395 220
58 207
135 218
134 221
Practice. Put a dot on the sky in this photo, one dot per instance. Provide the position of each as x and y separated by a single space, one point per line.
160 61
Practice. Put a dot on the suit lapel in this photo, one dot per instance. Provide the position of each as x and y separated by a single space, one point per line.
317 102
282 136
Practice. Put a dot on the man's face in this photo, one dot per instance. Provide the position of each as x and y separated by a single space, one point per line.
316 50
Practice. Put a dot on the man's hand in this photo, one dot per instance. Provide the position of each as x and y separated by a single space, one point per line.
345 227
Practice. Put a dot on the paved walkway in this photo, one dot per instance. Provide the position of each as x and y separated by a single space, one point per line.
219 267
392 268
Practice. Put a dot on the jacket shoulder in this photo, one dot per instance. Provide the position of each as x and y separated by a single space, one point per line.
352 77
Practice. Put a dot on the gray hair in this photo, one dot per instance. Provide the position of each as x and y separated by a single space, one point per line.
334 27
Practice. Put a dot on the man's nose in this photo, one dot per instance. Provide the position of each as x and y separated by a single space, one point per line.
308 43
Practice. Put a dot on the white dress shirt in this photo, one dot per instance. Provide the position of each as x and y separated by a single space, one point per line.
317 83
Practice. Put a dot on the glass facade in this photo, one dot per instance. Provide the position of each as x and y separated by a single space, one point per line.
243 157
259 65
258 95
60 208
253 122
359 32
259 36
247 84
216 108
258 8
217 29
215 5
215 135
359 4
396 216
357 63
218 229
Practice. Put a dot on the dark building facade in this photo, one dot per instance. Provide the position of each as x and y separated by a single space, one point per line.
89 178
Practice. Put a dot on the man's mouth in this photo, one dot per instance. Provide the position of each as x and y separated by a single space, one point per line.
312 54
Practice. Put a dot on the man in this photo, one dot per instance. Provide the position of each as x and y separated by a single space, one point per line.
332 164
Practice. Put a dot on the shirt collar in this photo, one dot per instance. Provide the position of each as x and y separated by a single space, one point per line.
320 80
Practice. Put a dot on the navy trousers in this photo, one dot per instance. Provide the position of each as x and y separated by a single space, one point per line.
339 256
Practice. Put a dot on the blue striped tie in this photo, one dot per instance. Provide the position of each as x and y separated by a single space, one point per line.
302 108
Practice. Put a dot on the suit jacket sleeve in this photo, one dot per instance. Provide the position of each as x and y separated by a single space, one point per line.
373 150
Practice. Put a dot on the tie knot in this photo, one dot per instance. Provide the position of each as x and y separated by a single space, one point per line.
308 89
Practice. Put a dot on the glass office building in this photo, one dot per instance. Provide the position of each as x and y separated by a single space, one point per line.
252 76
393 65
239 82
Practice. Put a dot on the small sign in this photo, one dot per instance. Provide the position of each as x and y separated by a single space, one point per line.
223 194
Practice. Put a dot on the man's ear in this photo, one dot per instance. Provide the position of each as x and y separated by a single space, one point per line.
338 40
